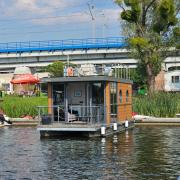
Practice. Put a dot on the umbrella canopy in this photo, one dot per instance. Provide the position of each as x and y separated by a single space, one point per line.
25 79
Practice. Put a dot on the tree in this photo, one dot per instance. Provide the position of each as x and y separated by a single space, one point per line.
56 69
151 25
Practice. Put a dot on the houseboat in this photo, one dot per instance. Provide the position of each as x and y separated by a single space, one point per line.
86 103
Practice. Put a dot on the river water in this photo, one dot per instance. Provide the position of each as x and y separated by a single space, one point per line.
141 153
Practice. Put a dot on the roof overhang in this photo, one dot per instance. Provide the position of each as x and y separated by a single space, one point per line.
85 79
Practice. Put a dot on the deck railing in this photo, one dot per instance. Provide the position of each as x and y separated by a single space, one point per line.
70 44
74 113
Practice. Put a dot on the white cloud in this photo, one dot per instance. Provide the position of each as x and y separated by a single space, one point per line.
71 18
52 8
35 7
101 17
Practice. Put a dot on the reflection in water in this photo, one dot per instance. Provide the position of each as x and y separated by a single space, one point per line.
141 153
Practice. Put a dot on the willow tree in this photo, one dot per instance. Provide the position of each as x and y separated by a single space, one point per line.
151 24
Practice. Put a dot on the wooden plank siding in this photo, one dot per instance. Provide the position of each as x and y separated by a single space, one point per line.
124 111
108 107
50 99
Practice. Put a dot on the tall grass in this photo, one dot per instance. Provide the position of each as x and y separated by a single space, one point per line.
160 104
19 106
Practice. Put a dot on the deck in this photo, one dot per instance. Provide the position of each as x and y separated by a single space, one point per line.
73 126
81 129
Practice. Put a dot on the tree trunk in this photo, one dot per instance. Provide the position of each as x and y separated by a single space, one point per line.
150 79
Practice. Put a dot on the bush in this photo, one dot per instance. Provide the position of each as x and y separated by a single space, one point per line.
19 106
160 104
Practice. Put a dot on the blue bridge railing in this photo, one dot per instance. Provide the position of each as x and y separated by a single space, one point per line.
70 44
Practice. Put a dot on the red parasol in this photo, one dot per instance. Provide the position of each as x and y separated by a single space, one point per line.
25 79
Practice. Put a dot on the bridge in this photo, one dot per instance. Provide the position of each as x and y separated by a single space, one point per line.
34 54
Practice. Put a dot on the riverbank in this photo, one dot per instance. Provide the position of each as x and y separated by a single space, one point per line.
145 121
24 122
158 121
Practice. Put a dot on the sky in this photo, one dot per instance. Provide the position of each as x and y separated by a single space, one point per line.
38 20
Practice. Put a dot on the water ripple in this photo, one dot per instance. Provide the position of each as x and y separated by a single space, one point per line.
142 153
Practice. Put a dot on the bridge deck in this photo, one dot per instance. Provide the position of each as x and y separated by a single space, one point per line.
70 44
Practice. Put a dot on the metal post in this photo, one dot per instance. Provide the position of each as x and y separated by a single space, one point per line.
98 114
91 111
124 72
118 71
104 102
58 114
121 72
71 109
66 105
39 114
90 7
68 60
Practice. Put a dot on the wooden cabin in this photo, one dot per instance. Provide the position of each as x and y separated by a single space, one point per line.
85 104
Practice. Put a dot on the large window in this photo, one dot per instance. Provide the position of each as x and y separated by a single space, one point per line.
97 93
120 96
113 90
58 94
127 95
175 79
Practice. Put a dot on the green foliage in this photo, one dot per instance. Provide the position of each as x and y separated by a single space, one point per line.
151 35
166 8
165 16
176 32
133 14
138 75
19 106
139 41
178 46
159 104
119 2
56 69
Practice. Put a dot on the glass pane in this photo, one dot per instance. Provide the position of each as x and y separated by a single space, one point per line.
113 91
97 93
120 96
58 94
127 96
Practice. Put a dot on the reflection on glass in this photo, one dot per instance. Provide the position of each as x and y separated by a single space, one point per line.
113 91
127 95
58 94
97 93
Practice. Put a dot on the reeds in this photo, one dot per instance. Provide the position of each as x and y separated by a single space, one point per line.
159 104
20 106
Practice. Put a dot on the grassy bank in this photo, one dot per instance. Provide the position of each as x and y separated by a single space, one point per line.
20 106
159 105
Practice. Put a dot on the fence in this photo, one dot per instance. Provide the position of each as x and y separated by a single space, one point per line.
86 114
70 44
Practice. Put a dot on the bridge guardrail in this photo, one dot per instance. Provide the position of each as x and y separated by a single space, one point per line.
69 44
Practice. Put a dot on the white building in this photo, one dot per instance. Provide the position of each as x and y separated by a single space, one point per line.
172 80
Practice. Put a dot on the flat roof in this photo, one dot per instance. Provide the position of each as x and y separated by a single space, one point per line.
85 79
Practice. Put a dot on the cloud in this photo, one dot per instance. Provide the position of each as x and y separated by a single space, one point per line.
79 17
46 12
101 17
35 7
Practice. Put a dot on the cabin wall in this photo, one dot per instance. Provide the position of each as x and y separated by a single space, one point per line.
107 101
76 93
50 98
124 101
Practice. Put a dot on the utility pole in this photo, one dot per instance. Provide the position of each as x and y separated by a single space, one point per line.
104 25
90 7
